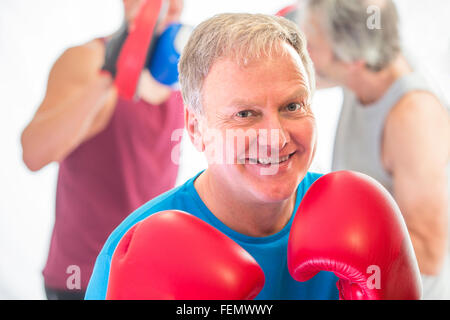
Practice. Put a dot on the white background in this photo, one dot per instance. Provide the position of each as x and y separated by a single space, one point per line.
34 33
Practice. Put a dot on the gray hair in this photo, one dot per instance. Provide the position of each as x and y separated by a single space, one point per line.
240 36
346 23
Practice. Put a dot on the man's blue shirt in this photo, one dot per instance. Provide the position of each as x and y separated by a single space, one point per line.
270 252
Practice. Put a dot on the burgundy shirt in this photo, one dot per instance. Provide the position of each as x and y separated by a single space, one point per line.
106 178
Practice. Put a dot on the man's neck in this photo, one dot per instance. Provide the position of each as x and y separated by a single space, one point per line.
242 215
371 86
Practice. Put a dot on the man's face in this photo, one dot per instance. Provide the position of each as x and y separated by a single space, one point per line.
260 113
174 10
326 65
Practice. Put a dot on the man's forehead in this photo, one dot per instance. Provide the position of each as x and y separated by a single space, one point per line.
276 78
244 63
268 93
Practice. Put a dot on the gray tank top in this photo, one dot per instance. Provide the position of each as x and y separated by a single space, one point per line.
360 130
358 146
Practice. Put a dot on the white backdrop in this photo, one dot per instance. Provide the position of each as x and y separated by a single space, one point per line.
34 33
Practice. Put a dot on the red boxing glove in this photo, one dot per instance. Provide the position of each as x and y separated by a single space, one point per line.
175 255
348 224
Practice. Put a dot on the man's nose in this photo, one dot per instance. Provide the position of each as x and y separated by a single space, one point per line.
273 136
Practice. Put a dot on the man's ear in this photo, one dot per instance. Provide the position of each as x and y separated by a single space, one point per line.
192 122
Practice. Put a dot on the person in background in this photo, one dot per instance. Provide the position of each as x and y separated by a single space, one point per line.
114 154
393 125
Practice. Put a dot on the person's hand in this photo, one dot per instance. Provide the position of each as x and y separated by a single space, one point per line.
151 90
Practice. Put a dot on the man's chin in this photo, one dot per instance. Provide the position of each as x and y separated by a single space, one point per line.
274 195
273 190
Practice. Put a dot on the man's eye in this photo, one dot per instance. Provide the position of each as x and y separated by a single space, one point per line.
294 107
244 114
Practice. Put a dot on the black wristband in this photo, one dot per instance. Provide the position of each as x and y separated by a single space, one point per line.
113 47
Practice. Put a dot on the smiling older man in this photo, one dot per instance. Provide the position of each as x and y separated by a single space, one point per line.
247 83
241 72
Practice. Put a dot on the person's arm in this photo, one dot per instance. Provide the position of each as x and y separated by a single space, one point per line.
77 105
416 152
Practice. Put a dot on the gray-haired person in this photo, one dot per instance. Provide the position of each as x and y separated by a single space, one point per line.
393 125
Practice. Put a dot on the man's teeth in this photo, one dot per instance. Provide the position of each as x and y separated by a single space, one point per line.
269 160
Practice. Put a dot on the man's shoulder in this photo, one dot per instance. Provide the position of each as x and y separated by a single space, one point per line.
415 109
417 100
79 62
94 47
174 198
307 181
311 176
177 198
419 116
